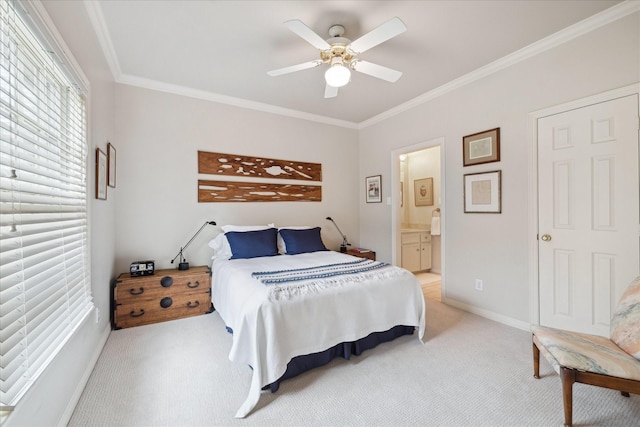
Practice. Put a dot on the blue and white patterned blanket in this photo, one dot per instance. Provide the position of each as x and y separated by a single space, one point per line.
285 284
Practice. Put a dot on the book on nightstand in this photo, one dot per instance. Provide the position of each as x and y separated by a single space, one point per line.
360 250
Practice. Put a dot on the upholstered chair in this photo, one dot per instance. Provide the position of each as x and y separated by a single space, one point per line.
590 359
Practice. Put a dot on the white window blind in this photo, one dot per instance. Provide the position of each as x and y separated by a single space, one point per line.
45 288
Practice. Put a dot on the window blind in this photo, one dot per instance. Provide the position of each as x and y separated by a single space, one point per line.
45 288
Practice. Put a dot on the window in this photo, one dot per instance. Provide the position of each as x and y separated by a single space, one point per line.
45 291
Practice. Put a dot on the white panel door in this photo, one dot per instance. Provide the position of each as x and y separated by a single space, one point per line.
589 232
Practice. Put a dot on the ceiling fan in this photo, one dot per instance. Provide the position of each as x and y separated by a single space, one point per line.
342 54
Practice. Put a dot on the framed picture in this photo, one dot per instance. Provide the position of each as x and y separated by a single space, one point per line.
111 165
423 191
101 175
482 192
481 147
373 187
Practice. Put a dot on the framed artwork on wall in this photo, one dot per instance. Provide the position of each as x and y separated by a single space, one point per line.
101 174
481 147
483 192
373 188
423 191
111 165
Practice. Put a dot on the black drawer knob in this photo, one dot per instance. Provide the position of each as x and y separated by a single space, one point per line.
193 305
193 285
134 314
138 292
166 281
166 302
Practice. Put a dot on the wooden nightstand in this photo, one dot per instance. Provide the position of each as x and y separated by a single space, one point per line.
166 295
370 254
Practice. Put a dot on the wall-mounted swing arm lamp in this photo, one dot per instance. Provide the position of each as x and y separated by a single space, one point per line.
183 264
343 246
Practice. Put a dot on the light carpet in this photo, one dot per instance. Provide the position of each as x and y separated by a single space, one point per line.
470 371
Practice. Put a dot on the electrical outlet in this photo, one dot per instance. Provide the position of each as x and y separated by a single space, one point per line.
479 284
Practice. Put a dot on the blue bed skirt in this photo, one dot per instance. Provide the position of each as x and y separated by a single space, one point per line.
300 364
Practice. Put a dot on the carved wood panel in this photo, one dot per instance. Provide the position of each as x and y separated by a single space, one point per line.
240 191
257 167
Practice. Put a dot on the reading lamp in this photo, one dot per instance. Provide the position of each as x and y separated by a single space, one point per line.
183 264
343 246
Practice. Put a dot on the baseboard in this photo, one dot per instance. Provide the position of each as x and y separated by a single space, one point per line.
75 398
509 321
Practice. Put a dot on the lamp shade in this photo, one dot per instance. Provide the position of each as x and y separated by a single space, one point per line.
337 75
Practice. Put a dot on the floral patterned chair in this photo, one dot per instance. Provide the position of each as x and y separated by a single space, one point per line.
590 359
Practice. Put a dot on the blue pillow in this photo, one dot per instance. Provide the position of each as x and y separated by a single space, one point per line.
252 244
302 241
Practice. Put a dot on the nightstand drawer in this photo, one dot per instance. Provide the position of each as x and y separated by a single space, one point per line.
151 287
145 312
168 294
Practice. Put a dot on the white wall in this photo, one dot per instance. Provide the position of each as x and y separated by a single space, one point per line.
486 246
159 135
53 397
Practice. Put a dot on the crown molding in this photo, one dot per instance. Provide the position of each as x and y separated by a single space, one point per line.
585 26
230 100
102 32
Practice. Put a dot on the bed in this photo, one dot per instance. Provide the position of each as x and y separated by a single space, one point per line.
293 305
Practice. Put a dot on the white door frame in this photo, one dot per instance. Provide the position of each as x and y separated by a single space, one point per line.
395 199
534 297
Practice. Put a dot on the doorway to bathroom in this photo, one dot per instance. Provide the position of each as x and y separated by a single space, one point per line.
418 215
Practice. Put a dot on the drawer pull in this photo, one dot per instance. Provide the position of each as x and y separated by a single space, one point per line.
134 292
192 285
190 305
134 314
166 302
166 281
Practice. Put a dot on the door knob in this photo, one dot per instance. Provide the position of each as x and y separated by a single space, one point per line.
546 237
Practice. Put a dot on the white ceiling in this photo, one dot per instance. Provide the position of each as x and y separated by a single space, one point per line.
221 50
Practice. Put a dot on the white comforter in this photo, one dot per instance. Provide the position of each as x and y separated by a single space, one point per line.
268 333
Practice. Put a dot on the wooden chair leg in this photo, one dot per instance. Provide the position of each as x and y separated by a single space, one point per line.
536 361
568 377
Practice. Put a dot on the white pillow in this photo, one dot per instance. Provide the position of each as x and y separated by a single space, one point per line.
220 244
282 247
227 228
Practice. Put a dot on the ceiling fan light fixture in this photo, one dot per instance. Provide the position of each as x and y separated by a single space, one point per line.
337 75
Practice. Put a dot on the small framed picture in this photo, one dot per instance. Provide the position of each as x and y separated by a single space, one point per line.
423 191
101 174
373 188
481 147
111 165
482 192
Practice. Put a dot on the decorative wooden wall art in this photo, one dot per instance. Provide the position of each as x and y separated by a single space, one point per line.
235 191
257 167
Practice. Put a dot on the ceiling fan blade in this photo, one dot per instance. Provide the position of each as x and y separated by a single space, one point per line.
384 32
330 91
299 27
376 70
293 68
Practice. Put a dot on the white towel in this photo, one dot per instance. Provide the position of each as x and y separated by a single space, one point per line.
435 226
